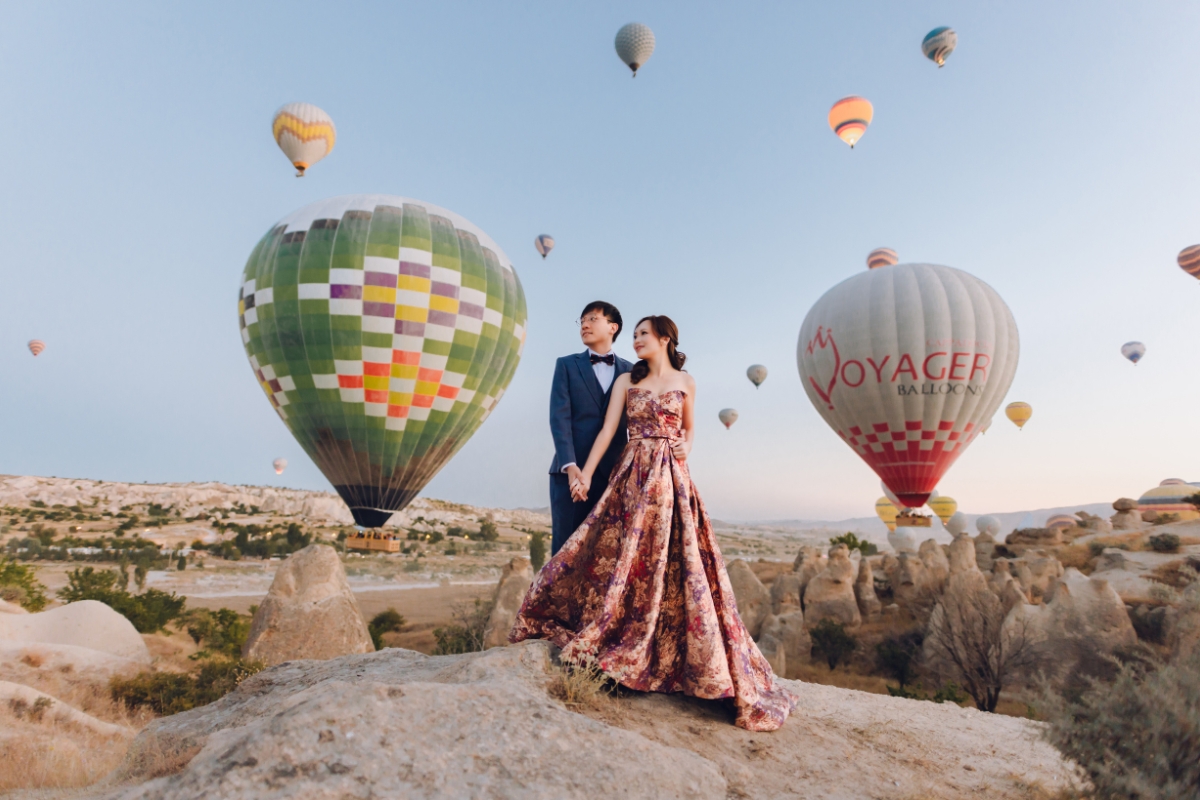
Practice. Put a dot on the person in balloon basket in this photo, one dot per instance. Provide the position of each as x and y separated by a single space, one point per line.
640 590
579 399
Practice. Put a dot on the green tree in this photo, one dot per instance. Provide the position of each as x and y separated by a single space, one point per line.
537 549
21 584
148 612
222 631
831 642
898 654
466 635
854 543
488 531
389 621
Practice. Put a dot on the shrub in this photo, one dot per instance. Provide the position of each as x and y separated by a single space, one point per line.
949 692
434 537
170 692
898 654
537 549
222 631
488 531
854 543
1134 737
389 621
148 612
466 636
831 642
1164 543
21 585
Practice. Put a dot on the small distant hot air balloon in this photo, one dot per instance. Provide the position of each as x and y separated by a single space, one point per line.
1062 521
881 257
36 346
635 45
944 507
1133 351
757 373
938 44
886 510
728 416
544 244
1019 413
988 524
1189 260
280 465
850 117
304 133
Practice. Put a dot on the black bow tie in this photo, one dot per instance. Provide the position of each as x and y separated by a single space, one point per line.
609 359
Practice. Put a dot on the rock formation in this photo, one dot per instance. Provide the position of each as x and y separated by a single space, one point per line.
830 595
1092 523
787 593
864 591
87 624
753 599
909 580
962 555
514 582
309 612
1037 572
770 644
810 562
400 724
985 551
1127 517
1035 537
937 567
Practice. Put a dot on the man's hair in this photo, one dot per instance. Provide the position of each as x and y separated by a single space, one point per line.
608 310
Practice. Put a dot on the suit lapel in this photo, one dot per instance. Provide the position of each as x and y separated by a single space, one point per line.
583 366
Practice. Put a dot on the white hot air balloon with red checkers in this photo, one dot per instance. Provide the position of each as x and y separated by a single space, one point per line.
907 363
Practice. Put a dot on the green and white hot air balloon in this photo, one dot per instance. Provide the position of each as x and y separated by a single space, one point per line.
383 330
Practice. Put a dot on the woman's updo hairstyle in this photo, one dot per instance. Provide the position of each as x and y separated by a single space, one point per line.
663 328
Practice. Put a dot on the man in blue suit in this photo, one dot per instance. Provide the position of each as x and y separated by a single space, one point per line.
579 398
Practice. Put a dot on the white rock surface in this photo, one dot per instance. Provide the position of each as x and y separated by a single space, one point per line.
11 608
86 624
57 710
70 659
400 724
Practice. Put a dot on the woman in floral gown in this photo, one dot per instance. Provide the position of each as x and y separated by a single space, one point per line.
640 588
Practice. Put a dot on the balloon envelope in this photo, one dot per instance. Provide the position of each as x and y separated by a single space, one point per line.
1019 413
944 507
635 45
728 416
1189 260
383 331
280 464
757 373
988 524
36 346
544 244
905 364
886 510
1062 521
938 44
1133 351
881 257
304 133
850 117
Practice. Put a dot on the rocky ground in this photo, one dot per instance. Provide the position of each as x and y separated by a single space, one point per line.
400 724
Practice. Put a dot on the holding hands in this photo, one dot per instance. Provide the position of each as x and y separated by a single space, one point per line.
581 484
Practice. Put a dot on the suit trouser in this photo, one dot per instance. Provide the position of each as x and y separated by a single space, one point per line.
565 514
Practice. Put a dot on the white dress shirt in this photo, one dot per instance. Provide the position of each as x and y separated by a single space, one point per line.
605 373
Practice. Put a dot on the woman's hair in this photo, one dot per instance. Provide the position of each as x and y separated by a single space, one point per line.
663 328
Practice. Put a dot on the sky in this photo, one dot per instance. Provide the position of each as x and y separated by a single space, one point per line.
1050 158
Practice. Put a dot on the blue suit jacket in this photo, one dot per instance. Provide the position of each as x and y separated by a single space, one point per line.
577 409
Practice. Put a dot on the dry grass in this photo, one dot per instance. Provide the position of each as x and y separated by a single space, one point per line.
1077 556
580 687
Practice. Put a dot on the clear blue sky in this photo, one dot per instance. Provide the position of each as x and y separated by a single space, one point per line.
1052 157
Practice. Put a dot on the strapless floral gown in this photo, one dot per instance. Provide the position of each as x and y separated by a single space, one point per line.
641 586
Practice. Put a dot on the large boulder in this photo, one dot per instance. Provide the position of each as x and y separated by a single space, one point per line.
753 599
937 566
830 595
770 644
1035 537
86 624
11 608
962 554
1040 570
1127 517
787 593
309 612
810 562
514 582
797 643
864 591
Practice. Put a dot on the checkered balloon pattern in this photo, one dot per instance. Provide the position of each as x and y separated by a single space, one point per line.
383 331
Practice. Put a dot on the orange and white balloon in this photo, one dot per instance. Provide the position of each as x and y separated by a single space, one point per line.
280 464
728 416
881 257
850 117
304 133
36 346
1189 260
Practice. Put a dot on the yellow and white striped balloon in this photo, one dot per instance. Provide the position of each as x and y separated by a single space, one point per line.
304 133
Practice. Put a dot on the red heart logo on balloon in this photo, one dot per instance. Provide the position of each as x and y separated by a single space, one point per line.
823 340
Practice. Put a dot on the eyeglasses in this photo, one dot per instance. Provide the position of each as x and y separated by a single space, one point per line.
594 319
